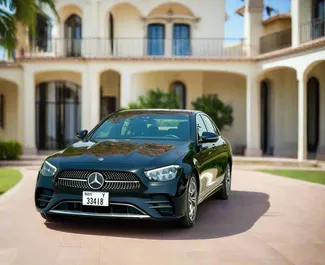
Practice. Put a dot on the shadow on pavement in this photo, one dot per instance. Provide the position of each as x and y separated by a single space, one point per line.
215 219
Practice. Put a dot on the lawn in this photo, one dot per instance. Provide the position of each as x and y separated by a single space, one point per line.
307 175
8 179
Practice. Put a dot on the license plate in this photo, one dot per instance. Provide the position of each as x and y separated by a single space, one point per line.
95 198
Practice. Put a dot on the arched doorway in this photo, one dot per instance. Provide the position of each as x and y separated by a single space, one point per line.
73 35
180 90
312 114
58 114
265 118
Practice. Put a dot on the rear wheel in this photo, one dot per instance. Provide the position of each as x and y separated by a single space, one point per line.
189 219
224 192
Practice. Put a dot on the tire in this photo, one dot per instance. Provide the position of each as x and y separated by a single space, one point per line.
191 202
224 192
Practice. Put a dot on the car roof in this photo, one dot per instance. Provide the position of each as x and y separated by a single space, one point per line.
164 110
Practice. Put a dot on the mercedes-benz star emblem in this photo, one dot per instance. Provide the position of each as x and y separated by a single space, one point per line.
96 181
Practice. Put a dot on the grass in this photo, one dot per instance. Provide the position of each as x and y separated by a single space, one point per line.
306 175
8 179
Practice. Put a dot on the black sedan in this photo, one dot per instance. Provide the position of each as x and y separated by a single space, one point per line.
158 164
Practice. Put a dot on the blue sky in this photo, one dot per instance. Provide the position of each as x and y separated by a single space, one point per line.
234 27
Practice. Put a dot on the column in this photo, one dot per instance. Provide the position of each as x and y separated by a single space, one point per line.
85 104
295 22
125 90
253 117
302 117
28 100
94 89
253 27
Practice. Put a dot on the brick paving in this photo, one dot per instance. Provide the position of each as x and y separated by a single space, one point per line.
268 220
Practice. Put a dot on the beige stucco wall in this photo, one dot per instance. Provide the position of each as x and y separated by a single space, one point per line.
231 89
58 76
143 82
276 26
10 92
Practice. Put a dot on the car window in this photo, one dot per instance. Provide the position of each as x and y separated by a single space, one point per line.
210 126
200 127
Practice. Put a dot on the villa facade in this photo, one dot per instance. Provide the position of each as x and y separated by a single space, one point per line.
103 54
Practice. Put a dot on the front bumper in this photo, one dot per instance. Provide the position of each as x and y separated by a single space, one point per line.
161 201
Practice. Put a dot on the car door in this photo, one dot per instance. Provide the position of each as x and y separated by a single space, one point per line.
219 151
205 161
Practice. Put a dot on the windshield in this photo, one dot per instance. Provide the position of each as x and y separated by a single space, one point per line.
144 125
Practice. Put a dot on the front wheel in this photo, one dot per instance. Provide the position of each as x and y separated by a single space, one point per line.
224 192
191 201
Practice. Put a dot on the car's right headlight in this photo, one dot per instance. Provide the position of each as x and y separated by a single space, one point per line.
48 170
163 173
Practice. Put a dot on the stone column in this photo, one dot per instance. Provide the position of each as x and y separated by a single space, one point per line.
85 102
302 117
253 26
125 89
28 101
253 117
295 22
94 90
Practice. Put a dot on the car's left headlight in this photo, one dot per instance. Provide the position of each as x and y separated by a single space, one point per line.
48 170
163 173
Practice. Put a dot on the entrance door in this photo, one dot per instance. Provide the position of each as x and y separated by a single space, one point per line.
312 114
265 118
58 114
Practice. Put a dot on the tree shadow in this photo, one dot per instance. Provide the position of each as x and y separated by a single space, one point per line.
215 219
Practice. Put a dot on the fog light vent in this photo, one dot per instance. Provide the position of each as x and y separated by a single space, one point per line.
43 197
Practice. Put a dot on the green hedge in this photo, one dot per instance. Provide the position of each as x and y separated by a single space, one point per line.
10 150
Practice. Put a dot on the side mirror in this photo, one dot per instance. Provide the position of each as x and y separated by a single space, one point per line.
81 135
209 137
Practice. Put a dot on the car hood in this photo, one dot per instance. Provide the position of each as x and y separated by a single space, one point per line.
130 154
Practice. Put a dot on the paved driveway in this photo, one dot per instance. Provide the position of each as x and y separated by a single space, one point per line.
268 220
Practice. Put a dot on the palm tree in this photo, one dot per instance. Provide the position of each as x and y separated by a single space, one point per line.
19 11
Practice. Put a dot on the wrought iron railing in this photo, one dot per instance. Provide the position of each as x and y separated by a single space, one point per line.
312 30
275 41
130 47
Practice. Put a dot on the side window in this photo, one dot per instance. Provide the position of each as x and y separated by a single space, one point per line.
200 127
209 124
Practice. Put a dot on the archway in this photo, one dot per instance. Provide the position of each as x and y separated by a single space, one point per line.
179 89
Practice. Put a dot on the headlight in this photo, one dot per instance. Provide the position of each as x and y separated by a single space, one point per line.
163 173
48 170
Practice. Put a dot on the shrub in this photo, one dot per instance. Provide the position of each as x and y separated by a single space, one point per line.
10 150
219 112
156 99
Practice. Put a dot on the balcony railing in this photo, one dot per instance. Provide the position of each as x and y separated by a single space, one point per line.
129 47
312 30
275 41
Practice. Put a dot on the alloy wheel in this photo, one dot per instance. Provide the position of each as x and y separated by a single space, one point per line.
192 199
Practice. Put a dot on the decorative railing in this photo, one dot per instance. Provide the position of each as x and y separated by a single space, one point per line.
275 41
312 30
130 47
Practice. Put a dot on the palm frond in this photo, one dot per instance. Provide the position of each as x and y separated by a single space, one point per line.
51 5
7 31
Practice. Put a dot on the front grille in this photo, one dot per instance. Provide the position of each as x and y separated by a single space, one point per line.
114 180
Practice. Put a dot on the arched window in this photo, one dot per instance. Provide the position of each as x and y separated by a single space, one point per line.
180 90
156 39
58 114
312 114
73 35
